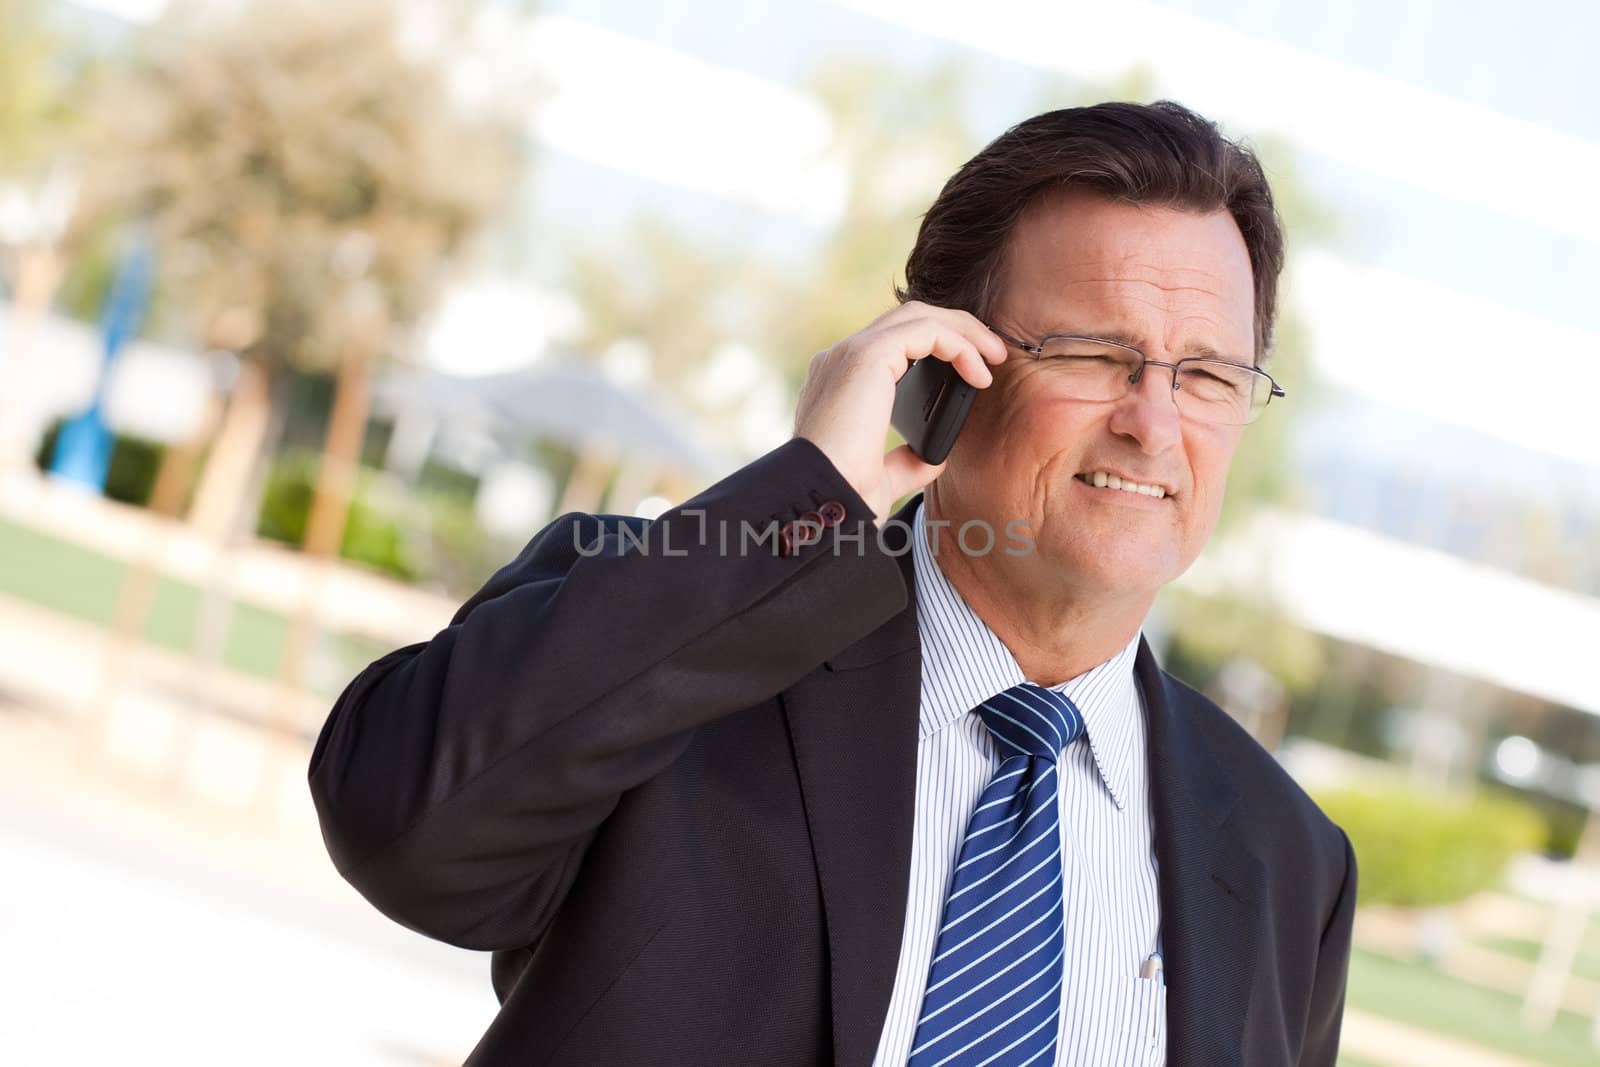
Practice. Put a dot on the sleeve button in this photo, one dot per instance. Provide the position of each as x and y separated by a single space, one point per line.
831 513
797 533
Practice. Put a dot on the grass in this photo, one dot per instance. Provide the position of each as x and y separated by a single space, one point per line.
76 581
1586 965
1421 996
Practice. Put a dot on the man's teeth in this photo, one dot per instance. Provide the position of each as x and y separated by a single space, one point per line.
1102 480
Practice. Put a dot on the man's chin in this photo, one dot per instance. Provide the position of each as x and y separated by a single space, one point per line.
1113 566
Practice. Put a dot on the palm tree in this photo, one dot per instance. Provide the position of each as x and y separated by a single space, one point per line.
32 106
308 182
36 191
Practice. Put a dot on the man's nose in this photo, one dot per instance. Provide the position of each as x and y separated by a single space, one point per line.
1149 413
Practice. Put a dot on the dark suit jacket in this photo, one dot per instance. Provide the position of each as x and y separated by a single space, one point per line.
672 789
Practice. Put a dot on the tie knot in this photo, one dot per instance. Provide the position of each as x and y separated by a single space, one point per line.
1029 720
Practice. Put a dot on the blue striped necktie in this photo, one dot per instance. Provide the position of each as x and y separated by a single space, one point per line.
994 990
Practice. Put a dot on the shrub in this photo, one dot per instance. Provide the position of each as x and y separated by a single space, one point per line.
1419 849
373 534
426 536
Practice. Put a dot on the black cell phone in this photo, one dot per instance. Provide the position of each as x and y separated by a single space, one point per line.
931 401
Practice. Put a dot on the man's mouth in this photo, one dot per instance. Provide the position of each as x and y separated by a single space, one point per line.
1107 480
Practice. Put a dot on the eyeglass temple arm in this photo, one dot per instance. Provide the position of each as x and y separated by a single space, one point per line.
1008 339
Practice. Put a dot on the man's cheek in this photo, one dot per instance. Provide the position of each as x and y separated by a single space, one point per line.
1208 509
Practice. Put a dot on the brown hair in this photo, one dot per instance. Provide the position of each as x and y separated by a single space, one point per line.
1159 153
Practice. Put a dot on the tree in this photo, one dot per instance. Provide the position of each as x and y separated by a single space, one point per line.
36 193
903 135
32 107
307 182
685 296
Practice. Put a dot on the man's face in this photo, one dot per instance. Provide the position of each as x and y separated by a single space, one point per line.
1160 279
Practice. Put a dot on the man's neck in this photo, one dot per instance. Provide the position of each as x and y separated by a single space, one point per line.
1054 632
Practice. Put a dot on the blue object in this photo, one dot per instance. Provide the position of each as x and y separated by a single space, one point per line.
83 448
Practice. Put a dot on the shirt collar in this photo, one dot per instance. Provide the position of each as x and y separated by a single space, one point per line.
964 663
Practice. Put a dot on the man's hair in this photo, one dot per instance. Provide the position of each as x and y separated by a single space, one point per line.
1159 154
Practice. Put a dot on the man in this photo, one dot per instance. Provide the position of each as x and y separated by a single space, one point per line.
893 790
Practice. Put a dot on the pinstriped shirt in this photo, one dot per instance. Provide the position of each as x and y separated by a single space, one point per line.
1110 1016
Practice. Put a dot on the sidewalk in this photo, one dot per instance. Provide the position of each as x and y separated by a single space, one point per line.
145 925
156 714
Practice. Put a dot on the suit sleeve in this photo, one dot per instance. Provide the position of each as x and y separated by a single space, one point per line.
1321 1047
459 781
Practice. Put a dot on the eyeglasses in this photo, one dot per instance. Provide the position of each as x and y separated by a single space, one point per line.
1206 390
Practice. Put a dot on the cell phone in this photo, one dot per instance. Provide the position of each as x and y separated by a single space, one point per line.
931 401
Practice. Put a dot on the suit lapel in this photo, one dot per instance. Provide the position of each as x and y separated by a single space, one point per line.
853 724
1210 883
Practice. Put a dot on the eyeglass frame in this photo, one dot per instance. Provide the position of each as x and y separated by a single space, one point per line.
1037 352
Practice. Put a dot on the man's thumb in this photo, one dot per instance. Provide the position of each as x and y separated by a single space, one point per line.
904 473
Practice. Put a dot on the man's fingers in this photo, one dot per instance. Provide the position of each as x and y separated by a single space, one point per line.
914 340
965 357
990 344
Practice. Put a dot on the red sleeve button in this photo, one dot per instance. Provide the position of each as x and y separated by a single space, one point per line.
831 513
796 533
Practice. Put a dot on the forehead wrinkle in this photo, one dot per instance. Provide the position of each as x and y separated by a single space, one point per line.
1174 287
1134 261
1125 309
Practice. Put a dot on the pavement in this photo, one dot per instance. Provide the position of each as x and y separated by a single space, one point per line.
142 927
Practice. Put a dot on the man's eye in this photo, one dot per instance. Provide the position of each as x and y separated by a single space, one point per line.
1083 359
1209 383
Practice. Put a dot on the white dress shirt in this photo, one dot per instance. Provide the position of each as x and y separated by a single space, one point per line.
1110 1016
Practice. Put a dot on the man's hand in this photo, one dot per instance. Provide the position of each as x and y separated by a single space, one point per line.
848 394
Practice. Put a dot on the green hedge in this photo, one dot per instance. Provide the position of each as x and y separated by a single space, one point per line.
1419 849
371 535
417 535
